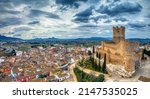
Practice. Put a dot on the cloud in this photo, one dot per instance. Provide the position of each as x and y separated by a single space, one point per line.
10 21
21 29
88 25
28 19
9 11
38 13
96 17
137 25
34 22
120 19
148 15
113 1
107 21
83 16
71 3
116 8
94 1
33 3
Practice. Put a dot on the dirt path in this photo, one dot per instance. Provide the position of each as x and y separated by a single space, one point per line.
88 71
71 67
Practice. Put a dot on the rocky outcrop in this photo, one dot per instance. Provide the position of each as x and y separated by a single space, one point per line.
119 70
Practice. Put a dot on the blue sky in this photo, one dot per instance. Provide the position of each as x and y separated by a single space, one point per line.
29 19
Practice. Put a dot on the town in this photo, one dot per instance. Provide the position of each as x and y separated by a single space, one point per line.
40 64
44 62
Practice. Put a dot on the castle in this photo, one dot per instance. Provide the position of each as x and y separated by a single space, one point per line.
122 56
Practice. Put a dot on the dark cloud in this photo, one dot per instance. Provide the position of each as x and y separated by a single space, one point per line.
98 18
85 13
83 16
81 19
120 19
113 9
7 8
113 1
10 21
35 3
38 13
148 15
89 25
20 29
71 3
9 12
4 1
94 1
34 22
137 25
107 21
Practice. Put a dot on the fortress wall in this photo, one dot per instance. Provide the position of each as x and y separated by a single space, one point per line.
132 46
129 64
110 45
114 48
115 59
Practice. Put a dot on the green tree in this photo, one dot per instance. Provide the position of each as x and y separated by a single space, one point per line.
104 65
100 78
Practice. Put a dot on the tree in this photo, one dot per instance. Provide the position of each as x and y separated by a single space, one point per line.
100 78
104 65
89 53
82 76
97 54
99 66
95 66
143 54
93 49
92 61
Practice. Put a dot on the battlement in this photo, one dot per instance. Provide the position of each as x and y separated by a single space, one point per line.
118 34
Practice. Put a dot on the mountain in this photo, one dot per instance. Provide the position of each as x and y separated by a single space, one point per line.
77 39
43 39
142 40
4 38
94 39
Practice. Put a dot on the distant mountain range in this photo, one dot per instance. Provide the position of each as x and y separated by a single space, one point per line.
84 39
4 38
94 38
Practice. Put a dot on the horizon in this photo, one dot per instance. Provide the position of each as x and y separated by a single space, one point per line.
70 38
65 19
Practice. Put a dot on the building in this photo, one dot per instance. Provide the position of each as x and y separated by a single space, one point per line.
122 56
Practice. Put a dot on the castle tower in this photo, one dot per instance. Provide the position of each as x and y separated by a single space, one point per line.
118 34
